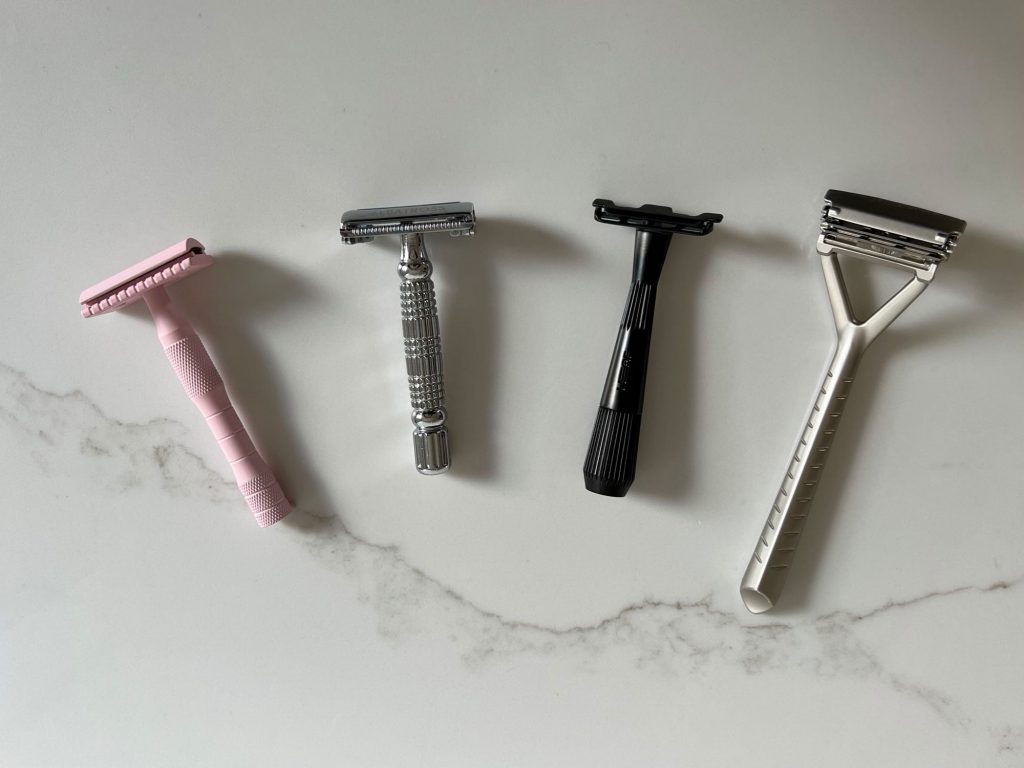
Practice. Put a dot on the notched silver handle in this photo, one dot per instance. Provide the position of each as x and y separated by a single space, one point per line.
423 361
775 550
773 555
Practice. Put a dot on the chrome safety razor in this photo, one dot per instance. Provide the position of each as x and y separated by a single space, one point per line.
910 238
420 325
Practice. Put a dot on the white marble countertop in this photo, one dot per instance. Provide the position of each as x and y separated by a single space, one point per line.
500 615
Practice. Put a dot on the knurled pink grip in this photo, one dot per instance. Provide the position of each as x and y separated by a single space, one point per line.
199 377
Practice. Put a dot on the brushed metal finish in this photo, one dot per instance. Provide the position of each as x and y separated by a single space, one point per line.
774 552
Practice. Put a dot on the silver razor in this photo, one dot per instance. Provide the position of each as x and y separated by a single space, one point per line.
871 228
420 324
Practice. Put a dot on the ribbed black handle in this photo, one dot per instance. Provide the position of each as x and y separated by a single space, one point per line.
611 459
610 465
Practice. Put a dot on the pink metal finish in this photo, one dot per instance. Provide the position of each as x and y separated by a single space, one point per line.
193 366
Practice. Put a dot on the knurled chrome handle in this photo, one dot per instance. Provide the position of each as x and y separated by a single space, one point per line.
423 361
422 331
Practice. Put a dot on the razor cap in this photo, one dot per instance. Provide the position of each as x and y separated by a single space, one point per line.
364 224
655 218
892 230
128 285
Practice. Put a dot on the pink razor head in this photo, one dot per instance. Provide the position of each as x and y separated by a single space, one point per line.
193 366
127 286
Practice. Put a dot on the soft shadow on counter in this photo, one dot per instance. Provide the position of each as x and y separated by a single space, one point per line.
470 329
988 269
668 438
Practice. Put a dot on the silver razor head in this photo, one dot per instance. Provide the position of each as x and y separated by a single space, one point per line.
875 228
364 224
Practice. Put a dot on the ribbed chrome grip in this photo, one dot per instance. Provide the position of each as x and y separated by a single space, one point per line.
423 361
422 344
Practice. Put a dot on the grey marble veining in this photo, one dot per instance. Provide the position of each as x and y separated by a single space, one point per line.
500 615
682 639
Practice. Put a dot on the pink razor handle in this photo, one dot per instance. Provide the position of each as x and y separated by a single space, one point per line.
195 369
199 377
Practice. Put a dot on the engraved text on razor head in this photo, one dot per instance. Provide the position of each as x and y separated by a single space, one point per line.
418 210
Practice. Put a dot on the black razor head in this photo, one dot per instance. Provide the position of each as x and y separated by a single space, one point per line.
873 227
655 218
364 224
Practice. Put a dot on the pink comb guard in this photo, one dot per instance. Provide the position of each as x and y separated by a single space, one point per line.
192 364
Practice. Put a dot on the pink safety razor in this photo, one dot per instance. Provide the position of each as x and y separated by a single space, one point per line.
189 359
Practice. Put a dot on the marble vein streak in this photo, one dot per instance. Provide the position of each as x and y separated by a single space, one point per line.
678 638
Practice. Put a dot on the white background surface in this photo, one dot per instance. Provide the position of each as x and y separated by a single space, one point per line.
501 615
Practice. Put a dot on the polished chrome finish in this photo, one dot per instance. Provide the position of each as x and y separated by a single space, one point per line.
361 226
902 243
420 325
423 362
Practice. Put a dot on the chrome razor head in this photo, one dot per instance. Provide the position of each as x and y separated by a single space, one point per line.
871 227
364 224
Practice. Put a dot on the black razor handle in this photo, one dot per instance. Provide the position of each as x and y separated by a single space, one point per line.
610 466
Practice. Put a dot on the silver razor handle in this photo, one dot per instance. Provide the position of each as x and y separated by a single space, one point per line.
422 331
773 555
775 550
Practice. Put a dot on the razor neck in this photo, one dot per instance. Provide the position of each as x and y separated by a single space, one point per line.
858 334
649 251
171 324
414 261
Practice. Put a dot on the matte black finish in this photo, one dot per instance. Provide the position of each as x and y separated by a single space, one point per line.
610 465
655 218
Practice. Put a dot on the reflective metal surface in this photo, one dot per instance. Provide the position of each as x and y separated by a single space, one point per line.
420 325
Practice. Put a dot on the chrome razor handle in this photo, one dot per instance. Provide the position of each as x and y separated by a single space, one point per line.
422 331
775 550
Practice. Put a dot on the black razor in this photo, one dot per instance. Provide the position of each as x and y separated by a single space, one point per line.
610 466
